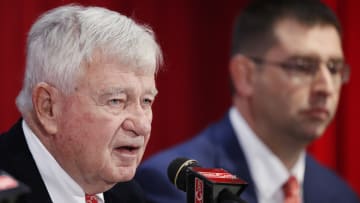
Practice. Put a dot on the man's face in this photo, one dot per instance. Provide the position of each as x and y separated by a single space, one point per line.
105 124
300 105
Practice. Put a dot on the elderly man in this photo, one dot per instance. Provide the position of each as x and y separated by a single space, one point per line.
86 105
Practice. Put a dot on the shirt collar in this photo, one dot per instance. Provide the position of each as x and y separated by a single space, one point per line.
61 187
268 173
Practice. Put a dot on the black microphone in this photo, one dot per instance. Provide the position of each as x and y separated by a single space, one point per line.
205 185
10 188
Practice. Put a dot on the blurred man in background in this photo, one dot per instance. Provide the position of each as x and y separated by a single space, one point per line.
287 69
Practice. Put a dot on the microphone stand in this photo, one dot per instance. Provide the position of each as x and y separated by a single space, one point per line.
226 196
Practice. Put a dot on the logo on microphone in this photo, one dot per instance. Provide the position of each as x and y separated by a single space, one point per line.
199 191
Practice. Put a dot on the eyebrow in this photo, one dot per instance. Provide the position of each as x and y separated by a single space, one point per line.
114 91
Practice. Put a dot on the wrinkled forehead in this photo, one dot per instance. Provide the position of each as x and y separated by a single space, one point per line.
104 73
140 63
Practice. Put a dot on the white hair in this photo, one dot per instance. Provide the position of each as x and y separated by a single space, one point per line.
64 38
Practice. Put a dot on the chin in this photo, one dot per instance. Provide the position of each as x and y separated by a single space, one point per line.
125 174
314 134
315 129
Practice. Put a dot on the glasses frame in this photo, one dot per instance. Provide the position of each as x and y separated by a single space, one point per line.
344 71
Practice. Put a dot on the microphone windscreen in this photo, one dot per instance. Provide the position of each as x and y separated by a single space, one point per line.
177 171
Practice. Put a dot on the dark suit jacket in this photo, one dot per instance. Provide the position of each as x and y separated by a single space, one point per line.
218 147
16 159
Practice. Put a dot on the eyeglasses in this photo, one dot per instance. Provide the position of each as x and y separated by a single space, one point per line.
307 67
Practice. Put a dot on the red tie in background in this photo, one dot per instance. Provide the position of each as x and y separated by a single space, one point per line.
291 191
91 199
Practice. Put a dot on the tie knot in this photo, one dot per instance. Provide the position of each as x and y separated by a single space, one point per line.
291 190
90 198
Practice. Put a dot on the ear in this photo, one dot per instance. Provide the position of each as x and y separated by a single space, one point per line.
45 98
241 73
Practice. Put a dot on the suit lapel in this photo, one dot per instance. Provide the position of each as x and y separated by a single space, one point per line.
233 158
23 166
311 188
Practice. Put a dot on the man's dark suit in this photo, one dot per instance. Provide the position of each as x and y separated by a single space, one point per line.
218 147
16 159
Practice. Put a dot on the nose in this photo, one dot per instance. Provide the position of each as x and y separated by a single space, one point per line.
138 120
324 82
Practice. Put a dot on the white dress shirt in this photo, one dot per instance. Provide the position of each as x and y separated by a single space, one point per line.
266 169
61 187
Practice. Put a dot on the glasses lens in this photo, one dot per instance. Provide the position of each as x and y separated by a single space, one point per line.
305 66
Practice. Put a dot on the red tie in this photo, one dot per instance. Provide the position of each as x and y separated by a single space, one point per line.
291 191
90 199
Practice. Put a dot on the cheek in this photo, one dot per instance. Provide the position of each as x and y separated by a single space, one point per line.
149 116
335 101
84 126
147 138
296 96
297 100
98 129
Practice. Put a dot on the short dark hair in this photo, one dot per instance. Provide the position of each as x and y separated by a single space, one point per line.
253 29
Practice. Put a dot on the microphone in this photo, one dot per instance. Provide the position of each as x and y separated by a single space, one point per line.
10 188
205 185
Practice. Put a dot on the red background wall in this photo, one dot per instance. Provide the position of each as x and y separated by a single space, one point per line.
194 89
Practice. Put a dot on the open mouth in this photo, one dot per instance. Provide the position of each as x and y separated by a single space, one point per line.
128 149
